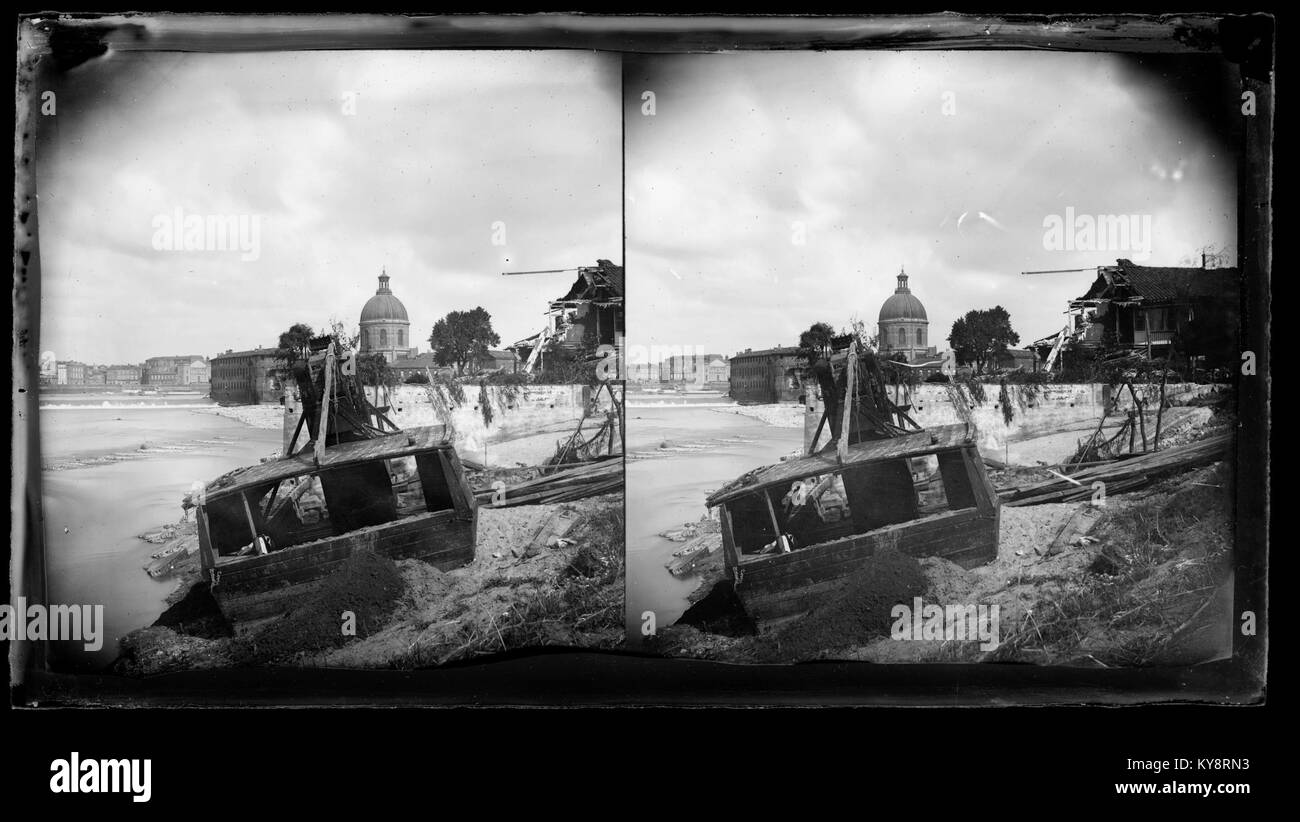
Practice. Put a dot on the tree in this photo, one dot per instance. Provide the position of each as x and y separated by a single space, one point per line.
292 346
981 335
294 342
815 343
462 338
374 371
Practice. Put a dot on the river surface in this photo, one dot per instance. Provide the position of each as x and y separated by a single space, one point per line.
677 455
113 473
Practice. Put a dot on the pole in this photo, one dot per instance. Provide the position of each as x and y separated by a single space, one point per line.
850 387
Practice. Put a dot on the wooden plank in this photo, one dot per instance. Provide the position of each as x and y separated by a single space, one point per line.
728 539
426 438
323 430
248 513
850 386
771 512
974 546
441 553
206 561
930 441
441 522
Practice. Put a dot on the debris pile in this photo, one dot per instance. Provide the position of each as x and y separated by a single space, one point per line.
1119 475
562 485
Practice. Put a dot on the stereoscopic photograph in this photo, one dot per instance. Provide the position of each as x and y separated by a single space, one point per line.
329 368
934 358
573 360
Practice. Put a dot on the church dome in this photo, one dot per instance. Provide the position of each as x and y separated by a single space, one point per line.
383 307
902 305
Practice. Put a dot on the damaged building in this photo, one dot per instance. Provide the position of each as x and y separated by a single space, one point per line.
1146 309
578 324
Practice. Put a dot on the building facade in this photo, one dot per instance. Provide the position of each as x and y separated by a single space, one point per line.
385 327
904 327
246 377
74 373
718 370
189 369
766 376
688 368
123 375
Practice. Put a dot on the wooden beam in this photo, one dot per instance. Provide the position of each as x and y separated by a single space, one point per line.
771 511
248 512
323 431
207 561
812 446
850 387
730 553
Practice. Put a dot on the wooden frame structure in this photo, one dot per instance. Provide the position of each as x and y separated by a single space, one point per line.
784 552
404 496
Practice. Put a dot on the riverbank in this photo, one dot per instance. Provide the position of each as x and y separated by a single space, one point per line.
522 590
778 415
268 417
1142 580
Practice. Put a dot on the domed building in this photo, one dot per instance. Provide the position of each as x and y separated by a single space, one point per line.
904 327
385 328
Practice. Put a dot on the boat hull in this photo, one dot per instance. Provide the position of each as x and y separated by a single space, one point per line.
257 587
779 586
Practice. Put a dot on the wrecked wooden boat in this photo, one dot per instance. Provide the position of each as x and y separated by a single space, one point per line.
271 532
792 532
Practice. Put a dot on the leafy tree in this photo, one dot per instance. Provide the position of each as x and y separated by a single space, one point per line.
462 338
294 342
293 345
815 342
981 335
375 371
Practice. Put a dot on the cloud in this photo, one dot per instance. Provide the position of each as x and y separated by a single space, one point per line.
440 150
789 188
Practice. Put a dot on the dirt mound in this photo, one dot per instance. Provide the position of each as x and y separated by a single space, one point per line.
854 615
160 650
719 612
367 585
196 614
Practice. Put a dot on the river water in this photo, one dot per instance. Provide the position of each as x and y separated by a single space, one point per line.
677 455
111 473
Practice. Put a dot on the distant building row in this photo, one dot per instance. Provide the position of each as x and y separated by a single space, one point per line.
156 371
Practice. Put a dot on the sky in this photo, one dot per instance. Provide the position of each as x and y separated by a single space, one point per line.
769 191
444 168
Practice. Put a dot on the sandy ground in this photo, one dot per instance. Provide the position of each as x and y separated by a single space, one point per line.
1090 599
780 415
457 614
442 612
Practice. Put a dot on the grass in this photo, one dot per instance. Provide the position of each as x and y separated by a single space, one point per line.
583 604
1164 559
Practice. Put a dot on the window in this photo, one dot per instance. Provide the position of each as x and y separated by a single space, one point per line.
902 336
920 338
401 338
383 338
